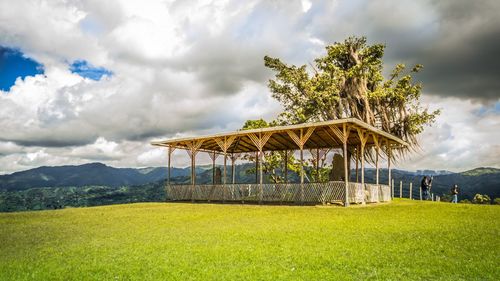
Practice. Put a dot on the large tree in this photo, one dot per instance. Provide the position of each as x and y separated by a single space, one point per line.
348 82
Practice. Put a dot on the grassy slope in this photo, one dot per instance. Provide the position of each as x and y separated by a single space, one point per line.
401 240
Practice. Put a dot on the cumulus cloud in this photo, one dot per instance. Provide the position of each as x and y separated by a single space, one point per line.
184 68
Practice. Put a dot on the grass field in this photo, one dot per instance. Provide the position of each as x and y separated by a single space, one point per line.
165 241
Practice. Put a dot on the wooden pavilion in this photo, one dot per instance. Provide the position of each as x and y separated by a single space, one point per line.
348 135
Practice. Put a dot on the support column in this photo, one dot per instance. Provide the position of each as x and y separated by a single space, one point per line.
213 156
363 137
317 164
170 151
346 174
389 168
224 180
193 147
259 142
357 157
261 192
377 152
343 136
256 167
286 166
224 144
301 173
300 141
233 159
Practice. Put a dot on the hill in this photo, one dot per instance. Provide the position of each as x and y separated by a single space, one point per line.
82 175
402 240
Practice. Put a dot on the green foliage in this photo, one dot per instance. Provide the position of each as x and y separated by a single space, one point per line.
166 241
496 201
481 171
255 124
274 160
61 197
348 82
481 199
465 201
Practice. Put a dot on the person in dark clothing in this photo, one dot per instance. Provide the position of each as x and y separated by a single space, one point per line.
454 194
425 184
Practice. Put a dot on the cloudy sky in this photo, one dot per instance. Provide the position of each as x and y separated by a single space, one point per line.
87 81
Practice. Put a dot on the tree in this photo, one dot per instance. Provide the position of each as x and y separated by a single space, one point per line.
348 82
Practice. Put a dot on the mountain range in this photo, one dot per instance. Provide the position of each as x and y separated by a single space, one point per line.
479 180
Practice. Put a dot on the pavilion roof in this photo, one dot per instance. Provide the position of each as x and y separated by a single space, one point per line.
325 134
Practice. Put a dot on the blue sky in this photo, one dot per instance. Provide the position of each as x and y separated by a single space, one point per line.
14 64
84 69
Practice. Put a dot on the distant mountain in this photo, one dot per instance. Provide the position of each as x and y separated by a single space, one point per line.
479 180
82 175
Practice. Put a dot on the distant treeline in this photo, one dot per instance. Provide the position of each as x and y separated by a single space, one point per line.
62 197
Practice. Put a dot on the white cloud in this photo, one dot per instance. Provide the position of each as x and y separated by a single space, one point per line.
187 68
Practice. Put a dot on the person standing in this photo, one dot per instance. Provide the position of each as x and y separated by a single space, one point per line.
454 194
425 184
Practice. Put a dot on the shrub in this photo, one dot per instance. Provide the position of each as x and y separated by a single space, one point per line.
465 201
496 201
481 199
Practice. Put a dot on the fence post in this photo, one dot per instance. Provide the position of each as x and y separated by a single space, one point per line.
432 196
420 188
392 186
400 189
411 187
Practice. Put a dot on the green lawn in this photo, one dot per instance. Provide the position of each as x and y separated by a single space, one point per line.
165 241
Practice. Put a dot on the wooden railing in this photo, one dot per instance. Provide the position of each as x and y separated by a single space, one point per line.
329 192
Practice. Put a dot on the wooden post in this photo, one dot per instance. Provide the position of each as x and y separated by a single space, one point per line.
420 193
363 139
286 166
411 186
259 142
346 172
301 173
192 151
317 164
168 169
224 179
193 175
376 164
213 169
224 144
261 188
392 187
400 189
432 196
389 167
300 141
233 168
256 167
356 157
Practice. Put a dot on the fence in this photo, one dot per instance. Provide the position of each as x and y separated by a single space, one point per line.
329 192
407 190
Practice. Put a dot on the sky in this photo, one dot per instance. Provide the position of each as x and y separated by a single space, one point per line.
96 81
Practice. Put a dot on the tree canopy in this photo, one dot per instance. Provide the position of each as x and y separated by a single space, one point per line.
348 82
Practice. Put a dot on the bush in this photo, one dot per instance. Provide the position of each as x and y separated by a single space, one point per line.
496 201
481 199
465 201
